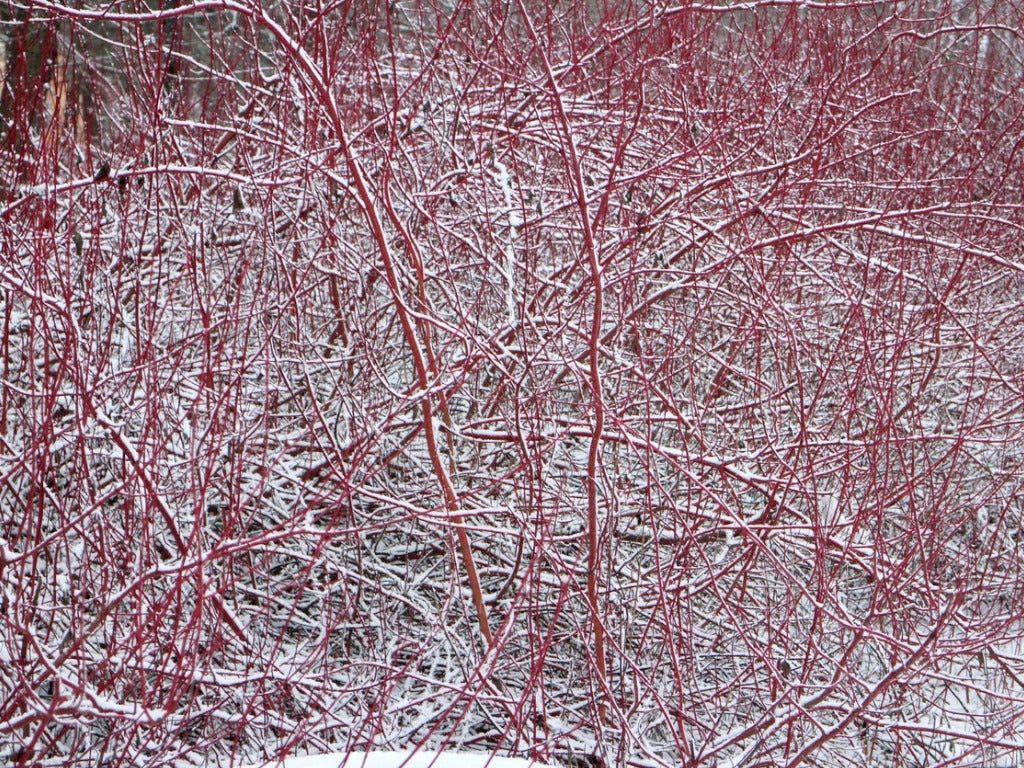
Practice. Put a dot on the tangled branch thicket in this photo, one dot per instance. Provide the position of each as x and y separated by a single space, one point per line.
611 383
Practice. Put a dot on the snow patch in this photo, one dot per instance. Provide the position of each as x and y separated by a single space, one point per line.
403 759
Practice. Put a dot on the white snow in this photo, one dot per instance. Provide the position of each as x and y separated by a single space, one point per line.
404 759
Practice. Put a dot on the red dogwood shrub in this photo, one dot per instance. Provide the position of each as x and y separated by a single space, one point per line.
607 383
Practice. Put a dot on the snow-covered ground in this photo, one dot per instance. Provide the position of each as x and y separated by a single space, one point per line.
402 760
